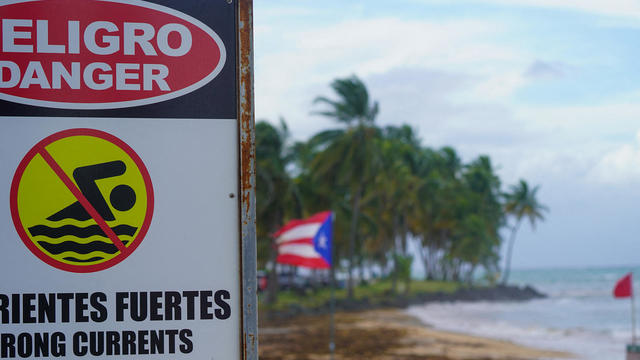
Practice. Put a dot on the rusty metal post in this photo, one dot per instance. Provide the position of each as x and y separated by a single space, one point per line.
246 118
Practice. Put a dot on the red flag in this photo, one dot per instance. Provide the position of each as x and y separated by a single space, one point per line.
624 287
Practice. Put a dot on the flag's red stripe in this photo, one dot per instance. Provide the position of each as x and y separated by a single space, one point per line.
297 241
314 263
316 218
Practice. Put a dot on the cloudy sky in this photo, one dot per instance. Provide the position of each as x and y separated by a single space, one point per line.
548 88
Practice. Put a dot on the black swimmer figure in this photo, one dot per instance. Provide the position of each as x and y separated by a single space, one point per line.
122 197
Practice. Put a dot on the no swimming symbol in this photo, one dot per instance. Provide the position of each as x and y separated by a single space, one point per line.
81 200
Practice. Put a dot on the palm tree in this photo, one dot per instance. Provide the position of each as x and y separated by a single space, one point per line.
458 214
276 193
521 203
481 217
347 156
440 197
392 197
353 104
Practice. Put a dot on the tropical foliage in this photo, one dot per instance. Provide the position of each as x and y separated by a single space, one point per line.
521 202
386 189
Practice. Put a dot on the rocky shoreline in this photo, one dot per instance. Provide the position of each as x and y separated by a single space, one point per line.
470 294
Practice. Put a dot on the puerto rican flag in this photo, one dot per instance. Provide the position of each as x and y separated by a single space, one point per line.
306 242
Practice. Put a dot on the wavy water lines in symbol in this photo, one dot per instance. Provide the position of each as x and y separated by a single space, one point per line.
92 230
77 248
73 259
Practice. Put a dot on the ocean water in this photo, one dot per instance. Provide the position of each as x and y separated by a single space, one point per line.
579 316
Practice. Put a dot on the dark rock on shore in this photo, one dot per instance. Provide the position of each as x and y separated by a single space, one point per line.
497 293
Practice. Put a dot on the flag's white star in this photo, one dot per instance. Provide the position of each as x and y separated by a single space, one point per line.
322 241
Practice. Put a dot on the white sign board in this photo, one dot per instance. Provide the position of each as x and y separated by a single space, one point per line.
121 230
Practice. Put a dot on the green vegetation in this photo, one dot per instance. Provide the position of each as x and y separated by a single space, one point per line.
384 187
375 292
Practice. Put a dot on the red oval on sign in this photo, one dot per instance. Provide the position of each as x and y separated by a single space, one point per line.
106 54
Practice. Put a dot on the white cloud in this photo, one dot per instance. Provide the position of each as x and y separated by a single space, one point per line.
608 122
297 66
620 166
498 86
622 8
588 144
451 80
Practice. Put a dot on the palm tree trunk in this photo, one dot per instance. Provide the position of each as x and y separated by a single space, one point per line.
425 260
405 231
394 257
432 258
355 213
455 270
512 240
272 276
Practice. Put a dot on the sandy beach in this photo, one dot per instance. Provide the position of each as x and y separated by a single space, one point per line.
382 335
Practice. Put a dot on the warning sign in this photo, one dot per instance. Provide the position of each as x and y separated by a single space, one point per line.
81 200
107 280
128 225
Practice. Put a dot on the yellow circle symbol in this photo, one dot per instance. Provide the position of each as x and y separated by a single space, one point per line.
81 200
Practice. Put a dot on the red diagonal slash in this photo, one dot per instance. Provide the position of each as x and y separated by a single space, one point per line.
83 200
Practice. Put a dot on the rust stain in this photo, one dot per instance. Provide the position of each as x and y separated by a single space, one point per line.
245 76
250 342
247 199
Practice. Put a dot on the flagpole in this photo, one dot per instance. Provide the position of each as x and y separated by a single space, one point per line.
633 315
332 344
332 306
